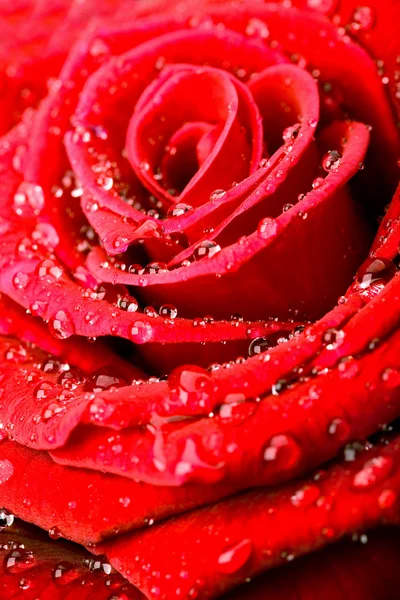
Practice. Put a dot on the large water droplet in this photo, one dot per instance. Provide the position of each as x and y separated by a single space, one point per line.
234 557
339 429
6 518
305 496
100 565
6 470
128 303
259 345
189 385
206 249
28 200
331 161
141 332
374 471
283 451
65 573
61 325
18 560
177 210
376 271
49 269
168 311
363 19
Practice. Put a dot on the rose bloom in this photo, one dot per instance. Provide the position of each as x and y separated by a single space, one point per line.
200 299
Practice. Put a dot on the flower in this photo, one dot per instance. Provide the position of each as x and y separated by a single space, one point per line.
188 190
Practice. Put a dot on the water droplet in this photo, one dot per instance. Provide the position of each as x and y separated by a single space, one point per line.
168 311
317 183
100 565
128 303
331 161
54 533
363 18
259 345
121 243
189 385
65 573
155 268
104 379
283 450
177 210
28 200
267 227
306 496
6 518
98 47
71 379
6 470
290 133
52 410
257 28
217 195
20 280
206 249
387 499
339 429
16 354
45 390
18 560
61 325
332 338
234 557
49 269
141 332
287 207
376 271
374 471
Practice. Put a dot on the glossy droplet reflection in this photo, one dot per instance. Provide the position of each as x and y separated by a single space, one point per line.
331 161
206 249
376 271
374 471
259 345
61 325
6 518
234 557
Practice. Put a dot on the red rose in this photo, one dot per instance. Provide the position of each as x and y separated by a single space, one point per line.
187 192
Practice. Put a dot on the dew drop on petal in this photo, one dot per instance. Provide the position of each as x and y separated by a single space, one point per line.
6 518
99 565
387 499
141 332
374 471
49 269
18 560
305 496
169 311
331 161
65 573
177 210
259 345
128 303
217 195
376 271
234 557
61 325
6 470
318 182
283 450
206 249
267 227
363 18
339 429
